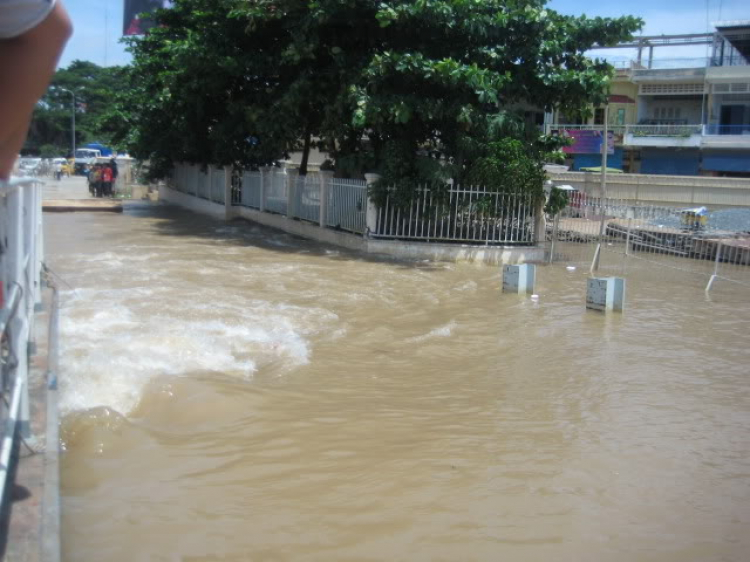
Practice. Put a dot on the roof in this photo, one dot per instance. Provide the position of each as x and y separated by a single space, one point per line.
619 98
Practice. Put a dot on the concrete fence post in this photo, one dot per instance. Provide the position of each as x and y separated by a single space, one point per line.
539 223
371 218
292 173
325 186
265 177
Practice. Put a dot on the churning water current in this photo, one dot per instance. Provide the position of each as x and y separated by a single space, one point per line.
233 393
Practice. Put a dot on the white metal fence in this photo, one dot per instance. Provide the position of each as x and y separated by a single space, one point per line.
21 253
715 245
459 214
347 205
452 214
246 192
276 198
306 198
207 184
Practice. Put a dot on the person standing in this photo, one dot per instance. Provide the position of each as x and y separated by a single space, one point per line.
107 180
58 170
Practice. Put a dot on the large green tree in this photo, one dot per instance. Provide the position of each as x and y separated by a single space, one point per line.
94 87
377 83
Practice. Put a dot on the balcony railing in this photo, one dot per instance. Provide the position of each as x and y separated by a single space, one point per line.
658 130
727 129
664 130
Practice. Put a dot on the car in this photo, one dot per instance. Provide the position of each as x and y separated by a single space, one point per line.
29 166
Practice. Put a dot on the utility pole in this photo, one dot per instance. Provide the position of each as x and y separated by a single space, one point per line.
72 123
602 191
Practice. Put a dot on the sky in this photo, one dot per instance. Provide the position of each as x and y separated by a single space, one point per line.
98 24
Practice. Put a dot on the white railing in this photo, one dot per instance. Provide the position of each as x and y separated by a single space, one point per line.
456 214
248 194
649 130
275 192
450 214
307 198
217 185
21 252
347 205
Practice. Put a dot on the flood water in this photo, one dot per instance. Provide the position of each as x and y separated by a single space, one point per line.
232 393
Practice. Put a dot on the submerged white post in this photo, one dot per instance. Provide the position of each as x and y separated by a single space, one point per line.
519 278
605 294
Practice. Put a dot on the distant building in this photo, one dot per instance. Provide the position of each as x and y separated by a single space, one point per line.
684 117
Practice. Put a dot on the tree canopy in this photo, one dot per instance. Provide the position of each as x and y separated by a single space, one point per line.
382 85
94 88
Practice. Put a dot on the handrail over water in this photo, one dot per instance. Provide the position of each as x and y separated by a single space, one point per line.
21 253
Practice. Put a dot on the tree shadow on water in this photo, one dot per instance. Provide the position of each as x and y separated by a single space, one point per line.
176 221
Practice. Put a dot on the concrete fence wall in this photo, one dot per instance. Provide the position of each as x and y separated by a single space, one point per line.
683 190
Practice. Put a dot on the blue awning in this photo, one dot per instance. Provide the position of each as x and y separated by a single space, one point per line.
727 161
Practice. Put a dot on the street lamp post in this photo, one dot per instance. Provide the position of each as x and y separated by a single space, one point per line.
73 122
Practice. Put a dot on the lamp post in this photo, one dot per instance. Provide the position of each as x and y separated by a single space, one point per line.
73 123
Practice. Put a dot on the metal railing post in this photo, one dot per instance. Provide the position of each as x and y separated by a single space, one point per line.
18 332
716 266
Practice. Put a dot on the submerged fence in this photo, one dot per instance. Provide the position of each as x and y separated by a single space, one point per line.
453 214
715 245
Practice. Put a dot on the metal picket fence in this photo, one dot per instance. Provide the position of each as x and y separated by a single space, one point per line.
249 190
217 185
347 205
458 214
307 198
276 195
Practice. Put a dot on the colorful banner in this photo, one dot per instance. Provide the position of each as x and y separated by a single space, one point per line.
588 141
133 23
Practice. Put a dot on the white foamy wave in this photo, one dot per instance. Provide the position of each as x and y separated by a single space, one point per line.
441 332
116 341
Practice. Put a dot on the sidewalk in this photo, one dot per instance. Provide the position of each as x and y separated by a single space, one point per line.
75 187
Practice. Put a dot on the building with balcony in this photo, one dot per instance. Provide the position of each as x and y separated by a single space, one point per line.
679 116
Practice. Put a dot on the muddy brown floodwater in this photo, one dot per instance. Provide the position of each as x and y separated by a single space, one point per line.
232 393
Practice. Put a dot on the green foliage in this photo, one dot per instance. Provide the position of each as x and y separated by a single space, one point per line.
556 202
94 88
381 84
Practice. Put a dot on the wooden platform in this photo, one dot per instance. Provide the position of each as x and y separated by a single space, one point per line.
82 205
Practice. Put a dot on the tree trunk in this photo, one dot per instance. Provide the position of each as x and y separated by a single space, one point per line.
305 152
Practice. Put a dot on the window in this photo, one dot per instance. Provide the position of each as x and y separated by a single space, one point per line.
599 116
620 116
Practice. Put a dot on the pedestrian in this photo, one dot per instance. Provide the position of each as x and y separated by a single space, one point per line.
96 180
32 36
107 180
58 170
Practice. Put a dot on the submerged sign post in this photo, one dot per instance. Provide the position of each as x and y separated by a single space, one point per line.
605 294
